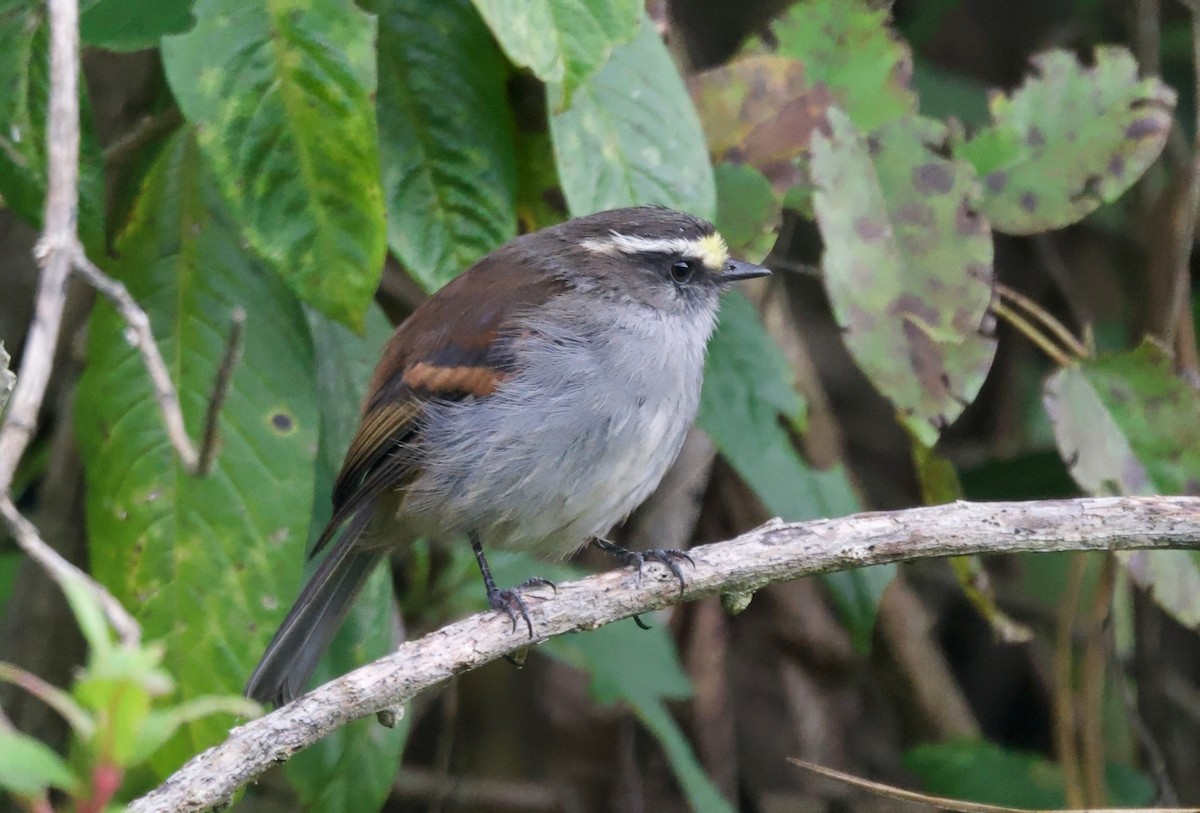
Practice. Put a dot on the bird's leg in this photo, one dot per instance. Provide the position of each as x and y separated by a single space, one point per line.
669 557
510 601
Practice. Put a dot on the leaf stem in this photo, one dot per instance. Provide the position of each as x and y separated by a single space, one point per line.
1057 354
1045 319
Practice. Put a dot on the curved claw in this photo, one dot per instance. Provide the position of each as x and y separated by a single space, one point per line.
669 557
512 601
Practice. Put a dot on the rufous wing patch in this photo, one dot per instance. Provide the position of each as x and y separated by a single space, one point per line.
460 380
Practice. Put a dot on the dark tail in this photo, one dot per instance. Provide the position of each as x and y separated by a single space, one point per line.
312 622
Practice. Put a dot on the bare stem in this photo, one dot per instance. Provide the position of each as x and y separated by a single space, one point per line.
1040 314
1056 353
141 337
233 348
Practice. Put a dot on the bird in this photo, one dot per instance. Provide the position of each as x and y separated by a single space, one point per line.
530 404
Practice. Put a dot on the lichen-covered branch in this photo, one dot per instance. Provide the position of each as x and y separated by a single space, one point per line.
775 552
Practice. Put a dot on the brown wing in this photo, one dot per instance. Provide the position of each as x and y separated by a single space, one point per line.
455 345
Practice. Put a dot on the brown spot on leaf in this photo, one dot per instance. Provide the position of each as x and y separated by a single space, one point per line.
868 228
1035 138
873 145
924 356
1116 166
1029 202
916 214
996 181
967 221
282 422
980 271
934 178
1144 128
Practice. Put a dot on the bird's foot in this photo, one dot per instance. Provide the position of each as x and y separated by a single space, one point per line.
512 601
668 557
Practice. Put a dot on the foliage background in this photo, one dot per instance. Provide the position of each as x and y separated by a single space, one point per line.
324 165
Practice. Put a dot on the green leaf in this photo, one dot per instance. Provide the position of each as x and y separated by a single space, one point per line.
131 25
846 45
980 771
29 767
748 389
856 594
161 724
563 42
352 768
625 662
908 266
205 563
1128 425
641 668
446 137
701 793
1068 140
280 94
748 210
24 95
747 401
1128 422
760 110
610 155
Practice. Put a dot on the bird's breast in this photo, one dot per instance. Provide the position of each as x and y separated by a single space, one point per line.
569 444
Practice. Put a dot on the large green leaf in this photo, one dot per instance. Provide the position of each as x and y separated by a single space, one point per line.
980 771
748 390
748 400
280 93
908 266
1126 424
352 768
631 136
24 95
1068 140
748 210
446 137
846 46
205 562
562 41
641 668
132 25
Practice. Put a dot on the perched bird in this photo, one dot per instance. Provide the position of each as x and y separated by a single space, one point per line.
528 405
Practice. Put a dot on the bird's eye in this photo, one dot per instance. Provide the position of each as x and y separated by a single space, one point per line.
683 270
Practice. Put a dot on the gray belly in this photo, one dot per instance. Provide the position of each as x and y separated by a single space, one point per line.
548 461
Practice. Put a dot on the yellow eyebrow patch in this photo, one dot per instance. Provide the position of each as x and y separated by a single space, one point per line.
709 249
713 251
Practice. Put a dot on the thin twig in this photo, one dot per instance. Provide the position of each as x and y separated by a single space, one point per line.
62 571
1185 215
1155 761
953 805
55 253
1047 321
146 130
1056 354
772 553
220 391
140 336
1065 723
1092 675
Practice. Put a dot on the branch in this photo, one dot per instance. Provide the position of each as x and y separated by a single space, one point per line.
139 335
59 252
775 552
